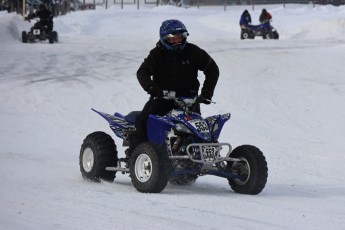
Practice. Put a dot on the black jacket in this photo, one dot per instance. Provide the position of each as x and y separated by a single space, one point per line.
178 71
44 15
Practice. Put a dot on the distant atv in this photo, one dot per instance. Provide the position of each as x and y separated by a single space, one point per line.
181 146
39 33
265 30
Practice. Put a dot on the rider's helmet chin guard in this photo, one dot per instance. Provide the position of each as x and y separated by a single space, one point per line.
169 29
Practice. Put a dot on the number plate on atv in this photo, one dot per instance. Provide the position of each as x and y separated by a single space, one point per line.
200 125
36 32
210 153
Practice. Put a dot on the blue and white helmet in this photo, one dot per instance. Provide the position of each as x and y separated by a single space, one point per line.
171 28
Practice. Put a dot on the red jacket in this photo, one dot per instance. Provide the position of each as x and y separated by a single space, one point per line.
265 17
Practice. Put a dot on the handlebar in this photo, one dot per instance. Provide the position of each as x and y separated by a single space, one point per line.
185 103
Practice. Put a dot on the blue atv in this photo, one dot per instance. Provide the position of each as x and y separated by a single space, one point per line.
265 30
181 146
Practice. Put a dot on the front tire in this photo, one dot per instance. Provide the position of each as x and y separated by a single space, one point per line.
24 37
97 152
252 170
149 168
275 35
51 38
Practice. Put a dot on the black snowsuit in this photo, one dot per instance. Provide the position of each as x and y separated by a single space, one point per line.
174 71
46 19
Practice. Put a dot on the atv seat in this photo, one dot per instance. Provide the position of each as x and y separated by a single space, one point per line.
132 116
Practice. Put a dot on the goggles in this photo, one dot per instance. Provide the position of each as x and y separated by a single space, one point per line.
176 39
182 35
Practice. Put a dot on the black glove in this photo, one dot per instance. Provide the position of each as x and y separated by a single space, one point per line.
206 97
155 91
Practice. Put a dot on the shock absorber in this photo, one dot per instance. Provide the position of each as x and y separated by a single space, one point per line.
176 144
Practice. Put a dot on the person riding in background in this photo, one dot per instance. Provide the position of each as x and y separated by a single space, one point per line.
172 65
46 18
265 17
245 19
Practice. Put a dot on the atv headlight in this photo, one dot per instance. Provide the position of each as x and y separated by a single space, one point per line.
182 128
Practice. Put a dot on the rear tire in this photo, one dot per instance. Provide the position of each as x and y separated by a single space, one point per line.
55 36
252 169
97 152
24 37
268 35
149 168
244 35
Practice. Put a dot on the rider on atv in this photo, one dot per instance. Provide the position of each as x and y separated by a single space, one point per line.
172 65
245 20
265 17
46 18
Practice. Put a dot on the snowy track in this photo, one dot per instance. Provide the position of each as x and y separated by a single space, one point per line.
286 96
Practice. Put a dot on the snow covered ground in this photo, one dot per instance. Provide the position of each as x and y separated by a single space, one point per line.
286 96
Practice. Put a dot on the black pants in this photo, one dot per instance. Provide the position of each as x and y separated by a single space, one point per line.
157 106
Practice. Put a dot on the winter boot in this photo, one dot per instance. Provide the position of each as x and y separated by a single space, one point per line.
134 139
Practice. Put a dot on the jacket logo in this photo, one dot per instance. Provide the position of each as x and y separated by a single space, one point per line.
186 62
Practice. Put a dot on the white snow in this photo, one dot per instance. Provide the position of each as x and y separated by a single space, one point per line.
286 96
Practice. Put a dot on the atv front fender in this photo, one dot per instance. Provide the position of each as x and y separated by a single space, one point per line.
157 128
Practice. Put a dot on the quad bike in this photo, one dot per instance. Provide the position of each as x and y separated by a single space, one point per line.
181 146
265 30
39 33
